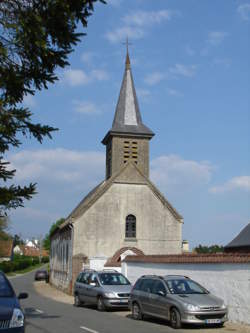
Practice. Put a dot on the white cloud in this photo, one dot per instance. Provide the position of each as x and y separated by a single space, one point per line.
135 24
244 11
236 183
57 166
115 3
87 57
84 107
183 70
76 77
173 92
99 75
223 62
154 78
173 172
216 37
120 34
29 101
143 93
145 18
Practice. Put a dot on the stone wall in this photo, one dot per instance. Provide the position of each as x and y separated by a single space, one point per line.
228 281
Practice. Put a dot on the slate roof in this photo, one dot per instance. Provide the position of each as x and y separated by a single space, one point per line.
127 118
242 239
190 258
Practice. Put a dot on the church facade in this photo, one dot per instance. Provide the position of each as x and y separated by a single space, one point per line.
124 212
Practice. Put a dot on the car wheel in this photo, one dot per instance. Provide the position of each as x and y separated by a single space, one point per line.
77 301
175 318
100 304
136 312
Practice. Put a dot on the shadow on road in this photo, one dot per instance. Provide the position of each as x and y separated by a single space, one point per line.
35 313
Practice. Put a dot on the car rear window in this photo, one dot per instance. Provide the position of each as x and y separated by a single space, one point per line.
5 287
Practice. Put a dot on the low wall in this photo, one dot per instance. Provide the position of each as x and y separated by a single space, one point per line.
230 281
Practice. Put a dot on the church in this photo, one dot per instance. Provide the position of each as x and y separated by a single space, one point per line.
125 213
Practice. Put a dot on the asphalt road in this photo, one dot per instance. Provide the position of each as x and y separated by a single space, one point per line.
48 316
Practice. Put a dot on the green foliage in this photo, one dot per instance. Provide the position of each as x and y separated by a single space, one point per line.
46 241
209 249
18 263
36 38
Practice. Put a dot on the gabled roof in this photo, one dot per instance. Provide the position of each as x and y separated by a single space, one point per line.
100 189
127 120
242 240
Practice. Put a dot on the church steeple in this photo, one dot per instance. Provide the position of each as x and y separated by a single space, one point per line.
127 124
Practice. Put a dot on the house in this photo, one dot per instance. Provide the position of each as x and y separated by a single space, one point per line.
6 250
241 243
126 212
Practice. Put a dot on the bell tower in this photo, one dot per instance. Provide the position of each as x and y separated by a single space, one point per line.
128 139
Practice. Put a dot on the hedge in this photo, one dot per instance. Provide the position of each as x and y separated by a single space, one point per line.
20 262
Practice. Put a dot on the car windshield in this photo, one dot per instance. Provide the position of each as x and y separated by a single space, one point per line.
5 288
185 286
113 279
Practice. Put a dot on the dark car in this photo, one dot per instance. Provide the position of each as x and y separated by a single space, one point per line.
11 315
106 289
178 299
41 275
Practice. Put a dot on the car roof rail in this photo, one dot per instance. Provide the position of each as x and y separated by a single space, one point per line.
110 270
152 276
89 270
176 275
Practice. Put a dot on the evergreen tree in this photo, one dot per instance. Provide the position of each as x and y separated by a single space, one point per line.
36 37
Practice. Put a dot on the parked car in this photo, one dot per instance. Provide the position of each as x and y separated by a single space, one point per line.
106 289
177 299
41 275
12 318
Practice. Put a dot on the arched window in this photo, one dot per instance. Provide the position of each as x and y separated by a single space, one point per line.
130 226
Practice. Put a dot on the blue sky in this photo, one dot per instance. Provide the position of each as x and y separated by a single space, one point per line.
190 62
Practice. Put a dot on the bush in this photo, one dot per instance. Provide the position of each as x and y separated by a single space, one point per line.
20 263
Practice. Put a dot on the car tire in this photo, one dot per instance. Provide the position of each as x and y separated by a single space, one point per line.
175 318
77 301
136 311
100 304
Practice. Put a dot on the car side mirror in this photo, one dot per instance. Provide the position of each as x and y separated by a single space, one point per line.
23 296
161 293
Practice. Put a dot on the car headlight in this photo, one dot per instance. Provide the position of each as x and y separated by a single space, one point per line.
223 306
110 295
191 307
17 319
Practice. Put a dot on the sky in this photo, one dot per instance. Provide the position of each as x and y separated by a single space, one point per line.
190 63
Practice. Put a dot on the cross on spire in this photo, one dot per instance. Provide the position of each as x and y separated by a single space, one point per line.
127 43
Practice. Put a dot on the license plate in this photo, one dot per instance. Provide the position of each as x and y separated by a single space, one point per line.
212 321
124 301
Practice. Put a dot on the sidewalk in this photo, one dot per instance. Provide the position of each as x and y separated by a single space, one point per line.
46 290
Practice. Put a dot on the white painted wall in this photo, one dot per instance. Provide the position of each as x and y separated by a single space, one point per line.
228 281
97 263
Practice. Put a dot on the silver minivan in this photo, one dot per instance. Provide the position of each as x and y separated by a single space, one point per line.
106 289
177 299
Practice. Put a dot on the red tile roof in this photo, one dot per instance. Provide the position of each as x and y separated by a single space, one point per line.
190 258
32 251
6 248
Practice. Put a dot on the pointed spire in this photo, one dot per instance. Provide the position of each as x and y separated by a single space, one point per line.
127 64
127 118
